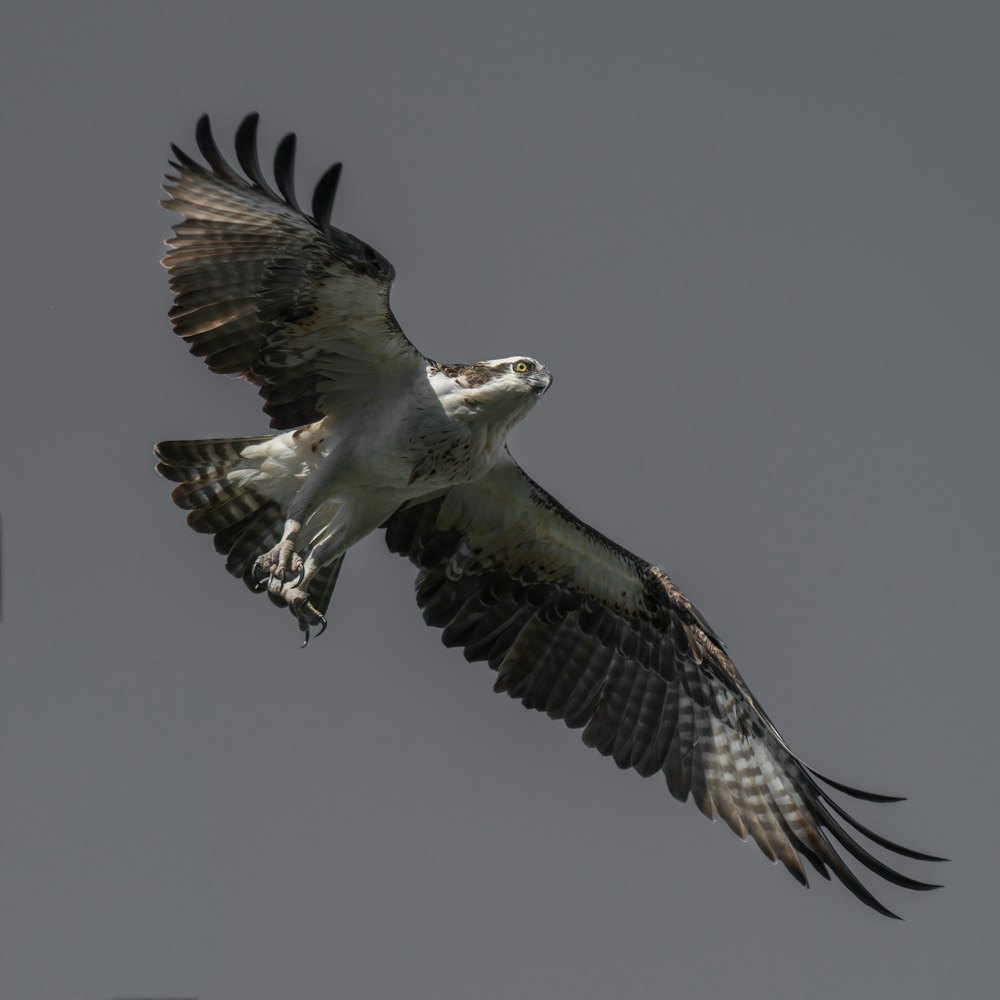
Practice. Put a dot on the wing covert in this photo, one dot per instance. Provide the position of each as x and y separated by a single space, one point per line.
578 627
264 291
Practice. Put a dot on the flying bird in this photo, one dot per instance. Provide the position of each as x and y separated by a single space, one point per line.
371 434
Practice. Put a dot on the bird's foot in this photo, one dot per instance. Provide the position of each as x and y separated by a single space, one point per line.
297 599
305 612
282 565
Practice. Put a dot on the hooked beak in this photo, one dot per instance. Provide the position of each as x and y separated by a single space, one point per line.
541 380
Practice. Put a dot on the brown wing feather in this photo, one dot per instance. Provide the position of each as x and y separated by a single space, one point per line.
261 290
578 627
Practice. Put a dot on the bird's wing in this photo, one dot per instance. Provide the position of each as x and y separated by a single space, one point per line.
576 626
283 299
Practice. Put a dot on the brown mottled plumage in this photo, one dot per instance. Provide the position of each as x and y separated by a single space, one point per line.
573 624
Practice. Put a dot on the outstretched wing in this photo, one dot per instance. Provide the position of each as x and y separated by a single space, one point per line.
283 299
576 626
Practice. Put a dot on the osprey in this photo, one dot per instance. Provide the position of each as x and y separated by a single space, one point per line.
375 435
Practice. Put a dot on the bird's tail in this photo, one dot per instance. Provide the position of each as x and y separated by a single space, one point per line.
220 501
216 487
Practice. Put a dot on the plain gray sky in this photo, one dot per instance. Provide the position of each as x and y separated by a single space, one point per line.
757 244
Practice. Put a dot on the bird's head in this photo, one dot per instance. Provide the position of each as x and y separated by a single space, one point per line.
500 391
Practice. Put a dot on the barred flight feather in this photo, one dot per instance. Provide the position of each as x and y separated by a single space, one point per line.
244 522
263 291
623 654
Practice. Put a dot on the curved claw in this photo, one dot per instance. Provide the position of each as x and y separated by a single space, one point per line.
308 615
300 575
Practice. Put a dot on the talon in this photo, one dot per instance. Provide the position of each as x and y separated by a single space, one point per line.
278 566
304 610
282 573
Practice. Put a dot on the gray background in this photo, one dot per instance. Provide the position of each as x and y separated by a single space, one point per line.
758 245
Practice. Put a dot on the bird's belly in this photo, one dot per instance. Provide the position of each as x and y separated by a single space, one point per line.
341 461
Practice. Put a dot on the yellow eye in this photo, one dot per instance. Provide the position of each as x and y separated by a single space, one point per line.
521 366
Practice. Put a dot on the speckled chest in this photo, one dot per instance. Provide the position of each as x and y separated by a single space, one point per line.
446 459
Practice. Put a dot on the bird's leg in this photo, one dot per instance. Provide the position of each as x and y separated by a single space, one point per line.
296 593
282 564
351 522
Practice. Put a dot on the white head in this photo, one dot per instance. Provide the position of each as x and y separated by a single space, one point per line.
500 392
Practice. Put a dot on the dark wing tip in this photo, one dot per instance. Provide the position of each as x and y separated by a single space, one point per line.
246 153
855 793
326 191
210 150
203 136
284 170
877 838
181 159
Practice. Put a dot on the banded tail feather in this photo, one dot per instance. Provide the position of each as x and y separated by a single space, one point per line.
215 499
220 500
